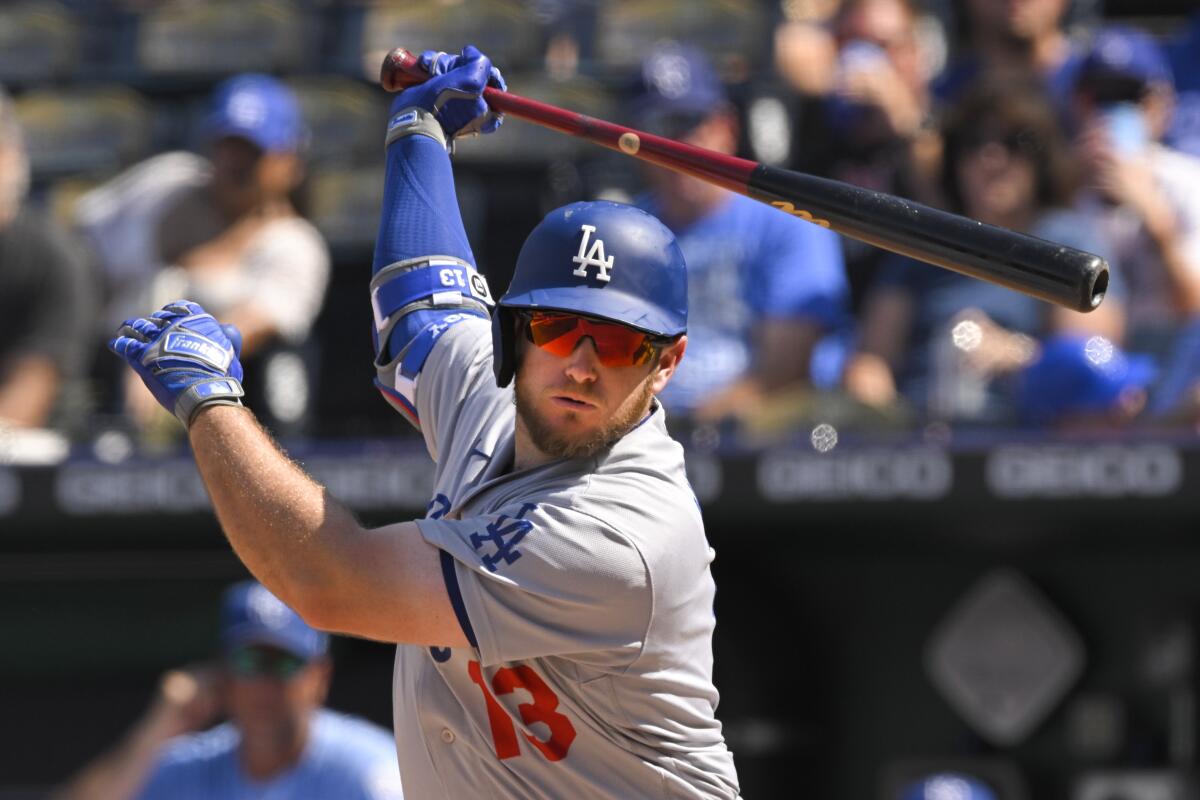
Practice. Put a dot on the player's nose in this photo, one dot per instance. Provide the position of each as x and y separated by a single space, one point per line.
583 365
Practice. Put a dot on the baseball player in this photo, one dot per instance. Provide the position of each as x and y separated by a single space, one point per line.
554 607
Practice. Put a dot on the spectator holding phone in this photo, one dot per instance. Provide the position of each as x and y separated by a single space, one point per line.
1150 213
872 126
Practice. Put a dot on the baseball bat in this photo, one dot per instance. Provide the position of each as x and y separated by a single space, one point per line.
1046 270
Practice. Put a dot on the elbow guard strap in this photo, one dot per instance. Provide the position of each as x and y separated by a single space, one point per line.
438 281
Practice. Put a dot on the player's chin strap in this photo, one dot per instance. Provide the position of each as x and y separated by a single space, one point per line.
414 302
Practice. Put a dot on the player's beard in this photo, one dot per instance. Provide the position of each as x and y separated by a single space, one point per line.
558 445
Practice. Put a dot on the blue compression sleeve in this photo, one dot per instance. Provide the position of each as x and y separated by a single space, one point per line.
420 215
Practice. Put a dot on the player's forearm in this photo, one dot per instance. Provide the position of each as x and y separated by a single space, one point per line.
419 215
283 525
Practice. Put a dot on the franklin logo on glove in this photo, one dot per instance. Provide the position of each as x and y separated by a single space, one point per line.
187 344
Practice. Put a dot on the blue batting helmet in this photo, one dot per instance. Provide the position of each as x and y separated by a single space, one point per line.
948 786
605 260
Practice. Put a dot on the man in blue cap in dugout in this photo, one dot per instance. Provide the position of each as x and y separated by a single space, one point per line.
270 681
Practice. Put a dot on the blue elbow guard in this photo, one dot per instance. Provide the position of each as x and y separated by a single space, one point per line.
413 303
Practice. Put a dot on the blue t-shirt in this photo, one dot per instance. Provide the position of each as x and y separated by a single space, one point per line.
747 262
346 758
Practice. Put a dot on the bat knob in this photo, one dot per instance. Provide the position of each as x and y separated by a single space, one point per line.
401 69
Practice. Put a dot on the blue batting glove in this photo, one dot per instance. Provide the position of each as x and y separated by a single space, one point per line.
454 95
185 357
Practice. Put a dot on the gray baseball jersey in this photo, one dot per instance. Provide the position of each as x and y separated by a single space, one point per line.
584 586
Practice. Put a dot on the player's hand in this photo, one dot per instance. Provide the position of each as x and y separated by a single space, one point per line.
455 92
184 356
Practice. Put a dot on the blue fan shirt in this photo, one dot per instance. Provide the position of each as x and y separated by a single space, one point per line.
346 758
748 262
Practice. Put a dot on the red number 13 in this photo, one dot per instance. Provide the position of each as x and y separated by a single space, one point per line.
542 709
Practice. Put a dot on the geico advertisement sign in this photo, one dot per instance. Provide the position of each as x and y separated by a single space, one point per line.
1084 471
174 487
868 474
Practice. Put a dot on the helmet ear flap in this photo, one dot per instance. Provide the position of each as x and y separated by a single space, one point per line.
504 358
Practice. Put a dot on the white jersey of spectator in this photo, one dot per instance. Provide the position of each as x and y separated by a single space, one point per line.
282 272
584 585
345 758
1150 304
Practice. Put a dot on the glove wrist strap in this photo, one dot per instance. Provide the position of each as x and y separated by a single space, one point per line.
214 391
414 120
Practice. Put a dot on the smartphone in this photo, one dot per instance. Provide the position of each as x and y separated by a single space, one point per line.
1126 128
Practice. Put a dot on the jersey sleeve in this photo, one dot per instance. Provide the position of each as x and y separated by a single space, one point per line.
542 580
797 271
455 380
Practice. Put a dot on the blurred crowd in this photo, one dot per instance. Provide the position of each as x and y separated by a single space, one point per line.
229 152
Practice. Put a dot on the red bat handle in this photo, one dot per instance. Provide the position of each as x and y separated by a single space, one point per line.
402 69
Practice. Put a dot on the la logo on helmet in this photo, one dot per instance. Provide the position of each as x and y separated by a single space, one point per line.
593 257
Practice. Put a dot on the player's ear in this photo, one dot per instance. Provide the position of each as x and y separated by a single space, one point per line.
668 361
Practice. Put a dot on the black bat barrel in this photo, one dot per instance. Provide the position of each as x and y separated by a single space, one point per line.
1046 270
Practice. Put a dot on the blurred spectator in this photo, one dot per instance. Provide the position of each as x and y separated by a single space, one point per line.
1184 54
763 288
871 128
270 680
1150 211
569 28
1083 384
804 49
936 337
1013 36
46 302
881 92
226 233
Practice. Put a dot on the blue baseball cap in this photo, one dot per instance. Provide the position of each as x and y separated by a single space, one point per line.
250 614
947 786
1123 53
676 86
1076 375
258 108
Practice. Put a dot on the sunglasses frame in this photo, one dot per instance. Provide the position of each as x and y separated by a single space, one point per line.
654 343
260 657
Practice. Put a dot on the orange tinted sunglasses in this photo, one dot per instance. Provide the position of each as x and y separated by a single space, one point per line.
616 345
